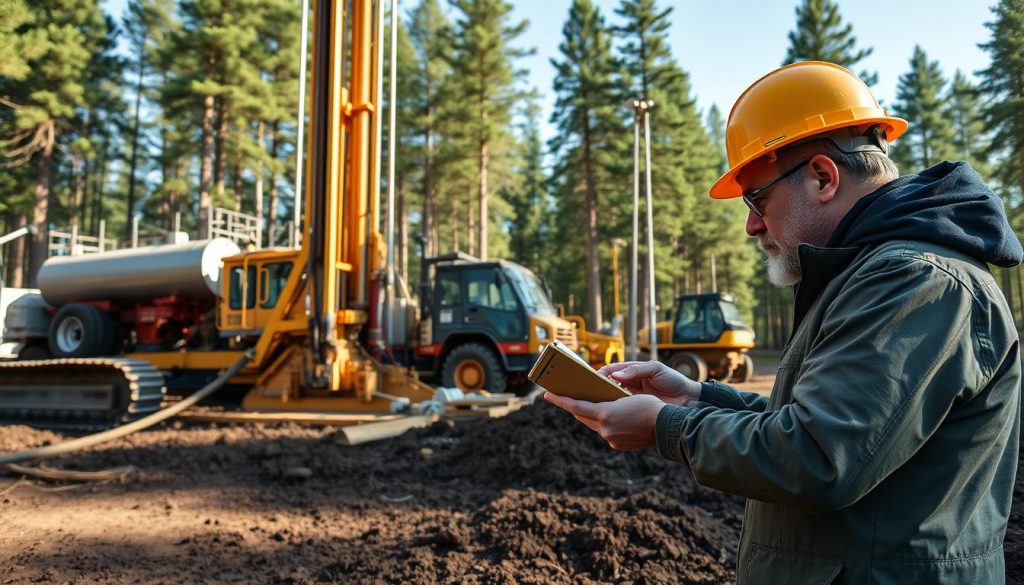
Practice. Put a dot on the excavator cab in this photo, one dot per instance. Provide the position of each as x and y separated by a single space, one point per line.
704 337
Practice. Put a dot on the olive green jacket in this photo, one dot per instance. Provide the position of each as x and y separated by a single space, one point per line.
887 451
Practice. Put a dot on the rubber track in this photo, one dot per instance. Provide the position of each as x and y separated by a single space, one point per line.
138 388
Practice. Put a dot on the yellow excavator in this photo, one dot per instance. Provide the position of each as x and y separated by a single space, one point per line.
704 338
296 326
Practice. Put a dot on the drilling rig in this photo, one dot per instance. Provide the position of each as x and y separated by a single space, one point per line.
126 325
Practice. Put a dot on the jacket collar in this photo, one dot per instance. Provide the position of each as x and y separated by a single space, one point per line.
818 266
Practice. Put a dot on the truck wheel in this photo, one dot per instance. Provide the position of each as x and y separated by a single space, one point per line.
81 331
690 365
472 367
745 372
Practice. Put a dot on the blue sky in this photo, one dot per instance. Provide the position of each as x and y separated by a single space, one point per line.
727 44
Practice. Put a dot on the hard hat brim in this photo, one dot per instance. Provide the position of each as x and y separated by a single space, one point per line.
727 187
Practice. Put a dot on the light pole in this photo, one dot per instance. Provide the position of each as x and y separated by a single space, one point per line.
652 319
634 104
641 109
616 244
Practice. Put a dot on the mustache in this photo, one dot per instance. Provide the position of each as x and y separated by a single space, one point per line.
766 241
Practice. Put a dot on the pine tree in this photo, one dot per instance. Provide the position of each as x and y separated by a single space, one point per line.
689 229
716 131
146 25
213 73
1003 84
14 63
920 100
408 160
965 113
63 36
530 227
820 35
587 123
430 33
484 85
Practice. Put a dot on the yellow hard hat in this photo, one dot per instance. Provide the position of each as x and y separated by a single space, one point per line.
794 103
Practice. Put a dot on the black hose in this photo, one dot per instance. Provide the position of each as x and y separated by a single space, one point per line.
127 429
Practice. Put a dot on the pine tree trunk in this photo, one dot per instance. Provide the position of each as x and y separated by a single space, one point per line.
99 184
41 199
16 260
76 196
86 209
206 170
484 163
275 143
1020 295
429 206
258 202
595 313
220 156
787 323
471 227
1007 288
453 225
130 210
236 175
167 204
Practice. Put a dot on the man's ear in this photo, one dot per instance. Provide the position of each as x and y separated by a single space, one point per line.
826 174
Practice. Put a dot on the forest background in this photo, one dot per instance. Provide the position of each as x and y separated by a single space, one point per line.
172 107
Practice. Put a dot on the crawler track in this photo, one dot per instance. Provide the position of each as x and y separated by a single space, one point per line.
79 393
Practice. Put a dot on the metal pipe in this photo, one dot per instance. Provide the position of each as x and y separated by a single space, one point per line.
392 155
22 231
300 125
374 339
631 347
653 311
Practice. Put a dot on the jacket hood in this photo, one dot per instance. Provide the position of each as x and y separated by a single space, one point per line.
947 204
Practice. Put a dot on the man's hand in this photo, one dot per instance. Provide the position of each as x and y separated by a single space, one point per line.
627 423
654 378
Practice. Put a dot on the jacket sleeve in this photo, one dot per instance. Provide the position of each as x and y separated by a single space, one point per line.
896 348
722 395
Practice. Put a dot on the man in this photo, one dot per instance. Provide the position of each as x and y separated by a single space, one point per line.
888 448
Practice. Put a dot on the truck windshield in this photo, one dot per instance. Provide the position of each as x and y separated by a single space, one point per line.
531 290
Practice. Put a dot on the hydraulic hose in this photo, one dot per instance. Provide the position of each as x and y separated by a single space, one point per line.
127 429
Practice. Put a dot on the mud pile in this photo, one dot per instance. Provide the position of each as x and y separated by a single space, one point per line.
533 497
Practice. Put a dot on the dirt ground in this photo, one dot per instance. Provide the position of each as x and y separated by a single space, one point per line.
531 498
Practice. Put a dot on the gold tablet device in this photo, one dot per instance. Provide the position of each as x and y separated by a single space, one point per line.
560 371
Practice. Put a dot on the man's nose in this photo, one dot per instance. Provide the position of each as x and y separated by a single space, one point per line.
755 224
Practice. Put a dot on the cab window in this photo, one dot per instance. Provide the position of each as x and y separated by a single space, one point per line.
449 289
275 279
235 297
486 289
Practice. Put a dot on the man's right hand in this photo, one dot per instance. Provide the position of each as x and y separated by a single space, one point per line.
654 378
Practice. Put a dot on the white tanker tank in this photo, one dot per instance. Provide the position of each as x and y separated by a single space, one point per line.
136 275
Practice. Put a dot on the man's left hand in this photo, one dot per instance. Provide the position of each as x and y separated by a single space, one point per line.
627 423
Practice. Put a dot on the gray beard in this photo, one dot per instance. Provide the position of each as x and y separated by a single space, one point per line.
783 268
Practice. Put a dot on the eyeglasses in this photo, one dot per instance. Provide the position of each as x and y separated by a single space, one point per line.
753 198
